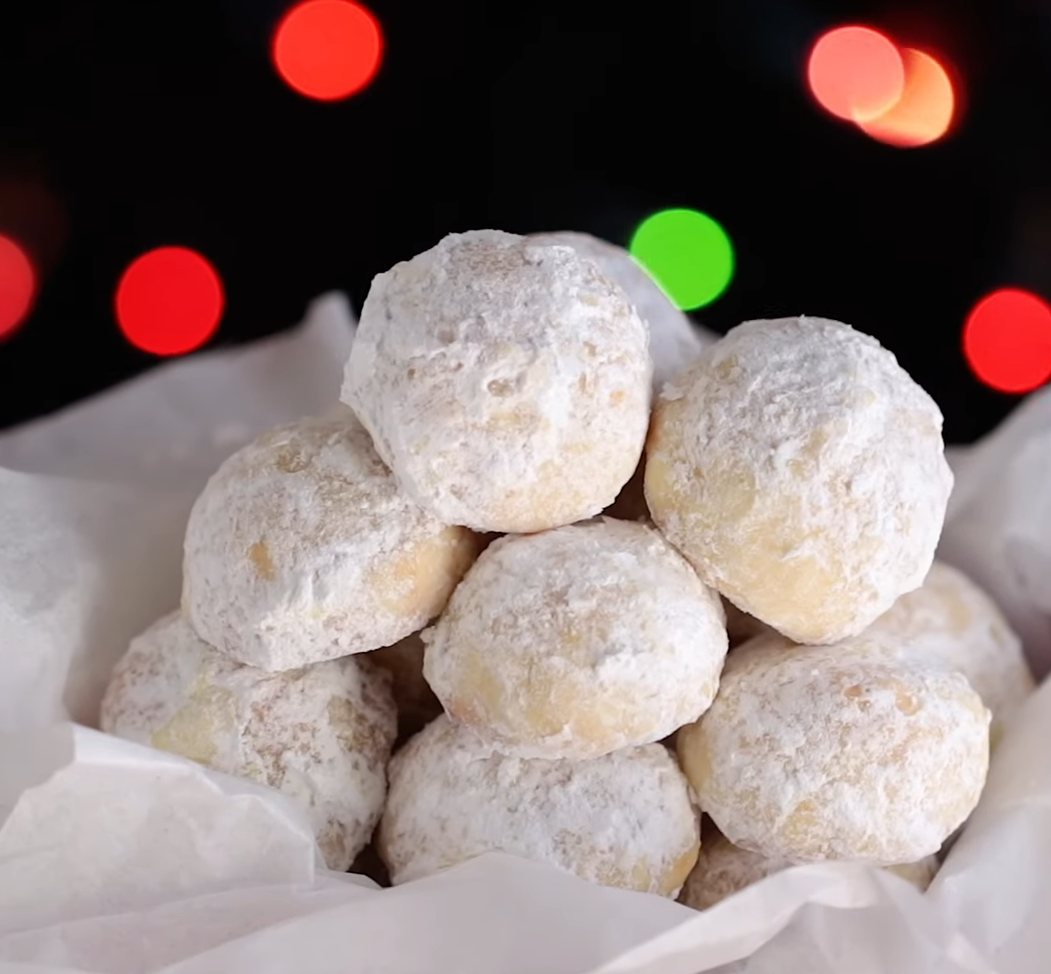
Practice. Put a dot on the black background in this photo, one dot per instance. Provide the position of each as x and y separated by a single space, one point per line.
130 125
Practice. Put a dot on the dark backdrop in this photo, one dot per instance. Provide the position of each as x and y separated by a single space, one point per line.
128 125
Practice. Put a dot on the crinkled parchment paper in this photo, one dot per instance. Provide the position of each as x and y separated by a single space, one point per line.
117 859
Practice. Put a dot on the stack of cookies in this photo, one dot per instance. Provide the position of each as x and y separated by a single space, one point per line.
504 541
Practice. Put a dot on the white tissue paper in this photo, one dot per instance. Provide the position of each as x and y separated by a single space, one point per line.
999 525
118 859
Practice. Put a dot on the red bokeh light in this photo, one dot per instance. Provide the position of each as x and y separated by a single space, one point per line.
327 49
1007 340
925 110
856 73
169 301
17 285
898 95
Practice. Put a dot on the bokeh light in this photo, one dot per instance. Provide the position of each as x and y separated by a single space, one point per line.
924 112
328 49
856 73
169 301
687 253
17 285
1007 340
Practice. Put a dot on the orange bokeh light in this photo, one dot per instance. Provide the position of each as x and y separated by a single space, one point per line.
856 73
1007 340
169 301
327 49
924 112
17 285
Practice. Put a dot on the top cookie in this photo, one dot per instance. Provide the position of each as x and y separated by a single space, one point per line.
674 340
505 382
802 472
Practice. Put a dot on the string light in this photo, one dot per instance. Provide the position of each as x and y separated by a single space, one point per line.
855 73
327 49
687 253
17 286
900 96
169 301
1007 340
924 112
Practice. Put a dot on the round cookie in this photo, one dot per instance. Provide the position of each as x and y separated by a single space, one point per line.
952 619
303 548
417 705
621 820
505 382
321 735
802 472
724 869
674 340
859 751
578 641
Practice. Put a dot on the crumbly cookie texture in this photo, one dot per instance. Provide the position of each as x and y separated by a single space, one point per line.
302 548
858 751
416 702
322 735
724 869
952 619
674 340
506 382
575 642
802 472
621 820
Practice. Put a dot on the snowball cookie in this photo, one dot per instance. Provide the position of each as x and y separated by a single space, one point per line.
802 472
578 641
506 382
952 619
854 751
417 705
674 340
302 548
724 869
624 820
322 735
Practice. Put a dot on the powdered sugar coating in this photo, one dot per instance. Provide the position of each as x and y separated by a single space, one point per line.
855 751
952 619
623 820
575 642
506 382
724 869
802 472
302 548
321 735
674 340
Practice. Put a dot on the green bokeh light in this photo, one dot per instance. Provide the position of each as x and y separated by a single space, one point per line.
687 253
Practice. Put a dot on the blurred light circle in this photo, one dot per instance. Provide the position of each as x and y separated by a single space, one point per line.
169 301
855 73
327 49
687 253
1007 340
17 285
924 112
